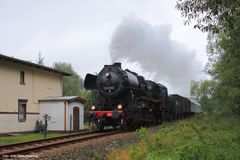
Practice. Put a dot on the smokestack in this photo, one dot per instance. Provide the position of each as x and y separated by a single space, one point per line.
117 64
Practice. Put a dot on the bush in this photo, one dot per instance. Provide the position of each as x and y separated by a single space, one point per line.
204 137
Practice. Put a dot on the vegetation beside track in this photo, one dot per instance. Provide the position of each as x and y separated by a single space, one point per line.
208 136
26 137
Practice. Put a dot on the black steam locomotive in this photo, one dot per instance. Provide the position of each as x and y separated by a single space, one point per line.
126 99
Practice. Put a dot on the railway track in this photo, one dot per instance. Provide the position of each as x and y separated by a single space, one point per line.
24 148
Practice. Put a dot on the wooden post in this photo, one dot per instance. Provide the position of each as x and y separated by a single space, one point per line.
70 123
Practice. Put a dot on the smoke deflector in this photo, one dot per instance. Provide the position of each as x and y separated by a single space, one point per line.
90 82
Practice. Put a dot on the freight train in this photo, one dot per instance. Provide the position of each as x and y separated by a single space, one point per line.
125 99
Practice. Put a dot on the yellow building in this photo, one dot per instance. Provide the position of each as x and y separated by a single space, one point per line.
22 84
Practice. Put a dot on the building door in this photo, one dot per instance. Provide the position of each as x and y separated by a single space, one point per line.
75 118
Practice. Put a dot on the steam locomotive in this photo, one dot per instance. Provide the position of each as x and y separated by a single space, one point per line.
126 99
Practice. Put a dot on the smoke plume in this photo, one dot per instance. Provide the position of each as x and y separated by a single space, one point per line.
137 41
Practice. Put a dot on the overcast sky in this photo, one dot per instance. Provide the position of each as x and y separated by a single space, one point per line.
91 33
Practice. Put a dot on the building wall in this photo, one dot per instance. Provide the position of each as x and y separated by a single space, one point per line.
9 123
81 114
56 111
38 84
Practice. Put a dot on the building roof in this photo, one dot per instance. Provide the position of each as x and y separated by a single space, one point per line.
27 63
62 98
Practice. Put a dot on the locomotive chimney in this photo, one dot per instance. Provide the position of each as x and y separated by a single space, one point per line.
117 64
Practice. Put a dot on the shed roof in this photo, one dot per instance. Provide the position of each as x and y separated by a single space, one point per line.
27 63
62 98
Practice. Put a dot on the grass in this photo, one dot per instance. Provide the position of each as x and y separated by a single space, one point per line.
90 126
26 137
207 137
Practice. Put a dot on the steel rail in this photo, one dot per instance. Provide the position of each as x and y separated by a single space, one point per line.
14 150
44 140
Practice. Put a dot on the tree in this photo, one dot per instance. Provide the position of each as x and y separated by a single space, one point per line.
72 85
221 18
202 92
215 53
195 91
210 15
40 59
88 96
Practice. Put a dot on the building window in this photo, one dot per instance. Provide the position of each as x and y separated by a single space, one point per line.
22 77
22 109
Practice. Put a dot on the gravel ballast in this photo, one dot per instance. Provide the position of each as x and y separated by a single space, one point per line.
93 149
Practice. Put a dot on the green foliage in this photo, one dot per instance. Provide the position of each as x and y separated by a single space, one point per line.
214 52
204 137
140 152
86 94
221 19
202 91
143 134
210 15
224 69
72 85
195 90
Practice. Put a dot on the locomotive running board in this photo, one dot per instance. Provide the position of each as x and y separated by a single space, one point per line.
90 82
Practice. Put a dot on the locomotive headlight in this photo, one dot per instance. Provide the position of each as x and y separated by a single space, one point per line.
119 106
93 107
107 74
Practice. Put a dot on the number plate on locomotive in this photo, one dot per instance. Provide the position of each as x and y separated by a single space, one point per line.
109 88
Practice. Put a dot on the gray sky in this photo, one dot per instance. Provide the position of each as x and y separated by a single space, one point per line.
81 33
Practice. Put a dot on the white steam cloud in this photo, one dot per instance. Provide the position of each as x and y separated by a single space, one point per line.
137 41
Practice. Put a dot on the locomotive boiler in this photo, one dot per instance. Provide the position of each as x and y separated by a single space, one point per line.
125 99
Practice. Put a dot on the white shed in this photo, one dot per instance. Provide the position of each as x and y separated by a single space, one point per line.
66 113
